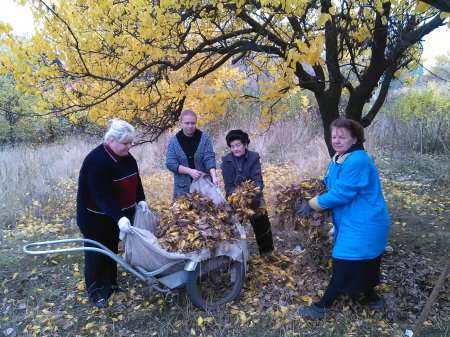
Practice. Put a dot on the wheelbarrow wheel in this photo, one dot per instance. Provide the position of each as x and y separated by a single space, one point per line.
215 282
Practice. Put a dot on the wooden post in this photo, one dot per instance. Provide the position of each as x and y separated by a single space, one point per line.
437 288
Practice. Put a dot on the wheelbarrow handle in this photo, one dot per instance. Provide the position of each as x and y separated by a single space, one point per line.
28 249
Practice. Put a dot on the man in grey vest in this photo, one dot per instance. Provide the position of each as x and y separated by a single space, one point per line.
190 155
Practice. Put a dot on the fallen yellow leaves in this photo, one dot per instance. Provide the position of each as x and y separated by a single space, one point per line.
314 228
241 317
194 222
81 286
241 199
89 326
307 299
118 318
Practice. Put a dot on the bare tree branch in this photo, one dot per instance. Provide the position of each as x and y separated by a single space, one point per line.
369 117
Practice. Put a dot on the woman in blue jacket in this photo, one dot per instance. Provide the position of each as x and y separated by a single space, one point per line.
360 219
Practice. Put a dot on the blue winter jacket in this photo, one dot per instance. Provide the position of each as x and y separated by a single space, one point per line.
204 159
358 207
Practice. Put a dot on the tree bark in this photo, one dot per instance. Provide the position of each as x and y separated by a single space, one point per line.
328 107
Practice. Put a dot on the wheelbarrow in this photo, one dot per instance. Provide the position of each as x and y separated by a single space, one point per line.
209 284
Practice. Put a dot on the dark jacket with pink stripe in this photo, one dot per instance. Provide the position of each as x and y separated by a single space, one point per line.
108 185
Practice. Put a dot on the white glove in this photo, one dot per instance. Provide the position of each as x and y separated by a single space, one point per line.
331 234
142 205
124 227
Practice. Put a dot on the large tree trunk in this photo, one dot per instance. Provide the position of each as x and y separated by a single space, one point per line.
328 107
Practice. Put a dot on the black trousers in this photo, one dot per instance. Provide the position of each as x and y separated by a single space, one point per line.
100 271
262 229
354 278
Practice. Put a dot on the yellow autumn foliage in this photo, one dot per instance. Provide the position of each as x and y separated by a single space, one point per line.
142 60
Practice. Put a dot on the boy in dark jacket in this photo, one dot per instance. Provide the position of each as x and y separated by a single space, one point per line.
242 165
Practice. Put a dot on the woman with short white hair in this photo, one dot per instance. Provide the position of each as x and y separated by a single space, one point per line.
119 130
109 189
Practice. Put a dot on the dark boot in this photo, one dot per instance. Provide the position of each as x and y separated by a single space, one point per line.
97 296
372 300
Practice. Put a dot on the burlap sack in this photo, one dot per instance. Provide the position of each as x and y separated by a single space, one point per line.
146 220
205 187
142 249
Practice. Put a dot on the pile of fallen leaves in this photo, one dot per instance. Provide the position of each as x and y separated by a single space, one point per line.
314 228
194 222
241 199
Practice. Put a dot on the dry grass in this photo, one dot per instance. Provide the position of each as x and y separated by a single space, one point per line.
34 173
37 202
31 173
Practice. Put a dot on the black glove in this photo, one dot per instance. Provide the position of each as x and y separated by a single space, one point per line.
256 201
303 209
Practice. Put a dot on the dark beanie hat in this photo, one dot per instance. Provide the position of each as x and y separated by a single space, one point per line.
237 134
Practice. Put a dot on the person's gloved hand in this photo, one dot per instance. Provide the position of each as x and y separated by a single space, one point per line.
256 201
331 233
142 205
124 227
303 209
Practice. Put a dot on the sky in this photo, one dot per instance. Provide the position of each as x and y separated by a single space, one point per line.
19 17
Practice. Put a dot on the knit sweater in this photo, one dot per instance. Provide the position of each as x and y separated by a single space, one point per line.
108 185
